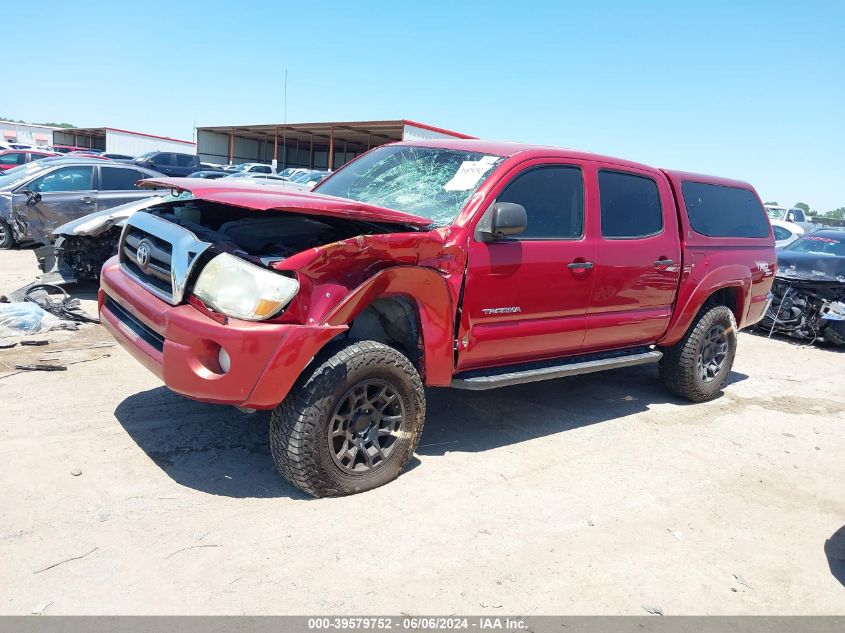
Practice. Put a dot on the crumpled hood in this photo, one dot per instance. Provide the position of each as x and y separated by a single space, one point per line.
810 266
265 198
95 223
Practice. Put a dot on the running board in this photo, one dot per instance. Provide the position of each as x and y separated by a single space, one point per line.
478 380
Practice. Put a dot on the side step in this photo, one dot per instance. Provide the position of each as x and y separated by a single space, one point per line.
478 380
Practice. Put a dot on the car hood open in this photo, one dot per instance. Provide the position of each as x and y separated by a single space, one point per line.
263 198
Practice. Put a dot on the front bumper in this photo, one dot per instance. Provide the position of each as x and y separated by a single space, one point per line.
180 345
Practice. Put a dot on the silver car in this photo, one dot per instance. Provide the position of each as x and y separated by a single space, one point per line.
37 197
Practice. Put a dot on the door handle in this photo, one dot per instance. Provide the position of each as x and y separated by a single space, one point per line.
660 263
86 199
580 265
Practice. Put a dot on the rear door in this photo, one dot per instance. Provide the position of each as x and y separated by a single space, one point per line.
637 262
117 185
164 163
525 297
65 194
186 164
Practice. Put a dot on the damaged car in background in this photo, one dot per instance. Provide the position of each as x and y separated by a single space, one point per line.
38 197
81 247
809 289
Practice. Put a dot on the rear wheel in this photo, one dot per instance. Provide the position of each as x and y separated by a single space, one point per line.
697 366
350 424
7 239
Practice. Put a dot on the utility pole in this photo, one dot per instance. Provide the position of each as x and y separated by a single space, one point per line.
284 124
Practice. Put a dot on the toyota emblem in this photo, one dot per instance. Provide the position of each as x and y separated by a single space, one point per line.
143 253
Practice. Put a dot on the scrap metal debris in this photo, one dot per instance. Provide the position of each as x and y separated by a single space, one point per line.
35 342
653 610
65 307
41 367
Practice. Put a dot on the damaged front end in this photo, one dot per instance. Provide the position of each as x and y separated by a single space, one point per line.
81 247
809 294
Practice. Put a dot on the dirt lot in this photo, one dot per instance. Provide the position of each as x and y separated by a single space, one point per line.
598 494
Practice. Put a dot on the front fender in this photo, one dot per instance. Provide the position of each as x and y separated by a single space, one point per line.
690 302
429 293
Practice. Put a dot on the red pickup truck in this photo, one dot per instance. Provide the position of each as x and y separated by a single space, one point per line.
448 263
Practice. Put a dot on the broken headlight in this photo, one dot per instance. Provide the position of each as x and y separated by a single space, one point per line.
242 290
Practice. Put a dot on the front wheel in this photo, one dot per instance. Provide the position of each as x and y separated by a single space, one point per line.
7 238
351 423
697 366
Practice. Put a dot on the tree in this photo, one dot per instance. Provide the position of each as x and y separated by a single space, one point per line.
771 204
803 206
838 214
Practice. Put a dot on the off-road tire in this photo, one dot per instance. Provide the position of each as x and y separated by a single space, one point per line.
299 426
7 239
679 367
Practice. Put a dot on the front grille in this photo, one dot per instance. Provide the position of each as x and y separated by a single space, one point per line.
156 272
153 338
160 255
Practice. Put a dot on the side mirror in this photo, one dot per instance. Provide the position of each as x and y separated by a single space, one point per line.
502 220
32 198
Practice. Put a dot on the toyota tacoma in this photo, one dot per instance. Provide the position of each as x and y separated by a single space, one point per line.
448 263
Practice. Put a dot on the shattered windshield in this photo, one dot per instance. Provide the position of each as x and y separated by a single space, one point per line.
818 245
431 182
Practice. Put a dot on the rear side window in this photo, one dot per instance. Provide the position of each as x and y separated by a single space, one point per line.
184 160
630 205
719 211
781 233
118 179
553 197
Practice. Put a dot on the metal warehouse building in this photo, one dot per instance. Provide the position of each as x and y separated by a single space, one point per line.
118 141
11 132
311 145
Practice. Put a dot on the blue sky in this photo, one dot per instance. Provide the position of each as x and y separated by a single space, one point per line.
751 90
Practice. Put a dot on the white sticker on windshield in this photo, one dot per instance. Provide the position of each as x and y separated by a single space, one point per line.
468 175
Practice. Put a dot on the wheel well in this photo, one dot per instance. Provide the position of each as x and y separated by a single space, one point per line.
392 321
729 297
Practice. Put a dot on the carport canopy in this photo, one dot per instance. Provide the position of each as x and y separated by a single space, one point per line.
314 145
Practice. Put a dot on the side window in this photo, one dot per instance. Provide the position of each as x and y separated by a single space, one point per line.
781 233
553 197
630 205
117 179
164 160
720 211
184 160
263 169
799 215
64 179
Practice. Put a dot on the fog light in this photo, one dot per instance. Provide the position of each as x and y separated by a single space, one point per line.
224 360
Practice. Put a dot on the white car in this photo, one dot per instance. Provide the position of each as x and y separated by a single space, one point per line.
267 179
786 232
253 168
793 215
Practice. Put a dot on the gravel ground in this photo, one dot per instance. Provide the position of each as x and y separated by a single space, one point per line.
592 495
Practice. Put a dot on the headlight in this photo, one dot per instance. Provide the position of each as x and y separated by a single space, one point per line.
242 290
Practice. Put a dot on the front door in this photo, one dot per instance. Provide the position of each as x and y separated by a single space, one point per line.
66 193
525 296
638 259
